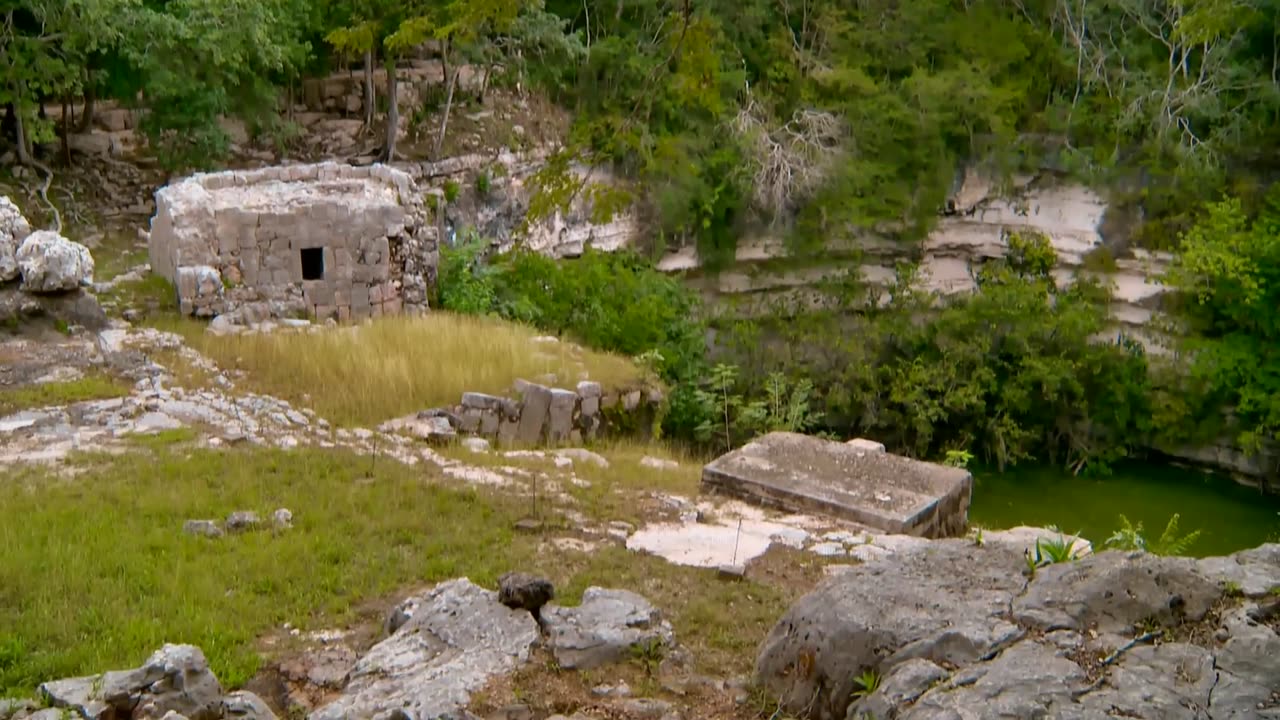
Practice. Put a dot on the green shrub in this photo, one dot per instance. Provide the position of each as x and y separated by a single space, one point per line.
609 301
451 191
465 283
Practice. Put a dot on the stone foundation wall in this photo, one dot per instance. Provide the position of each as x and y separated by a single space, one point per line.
326 240
539 415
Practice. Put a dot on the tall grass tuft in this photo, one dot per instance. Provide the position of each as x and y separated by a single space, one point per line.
364 374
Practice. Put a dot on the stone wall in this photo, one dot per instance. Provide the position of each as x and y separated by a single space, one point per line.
326 240
538 415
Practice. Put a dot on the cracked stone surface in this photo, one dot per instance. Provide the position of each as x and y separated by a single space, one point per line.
958 631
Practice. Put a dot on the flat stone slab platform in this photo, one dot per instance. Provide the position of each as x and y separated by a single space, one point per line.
855 481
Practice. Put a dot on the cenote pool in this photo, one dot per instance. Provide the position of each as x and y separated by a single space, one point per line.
1230 516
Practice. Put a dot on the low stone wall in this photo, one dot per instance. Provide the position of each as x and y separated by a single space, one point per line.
540 415
325 240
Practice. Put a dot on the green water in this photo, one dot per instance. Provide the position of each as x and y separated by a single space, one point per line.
1230 516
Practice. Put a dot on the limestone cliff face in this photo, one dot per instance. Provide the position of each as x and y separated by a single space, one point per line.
974 230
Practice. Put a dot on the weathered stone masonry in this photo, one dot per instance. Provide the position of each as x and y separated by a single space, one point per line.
539 415
327 240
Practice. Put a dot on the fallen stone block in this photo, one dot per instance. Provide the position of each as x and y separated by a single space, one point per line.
804 474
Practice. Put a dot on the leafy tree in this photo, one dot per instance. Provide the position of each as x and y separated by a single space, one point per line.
205 59
1228 268
45 46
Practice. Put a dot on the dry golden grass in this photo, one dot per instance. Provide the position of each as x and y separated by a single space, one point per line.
367 373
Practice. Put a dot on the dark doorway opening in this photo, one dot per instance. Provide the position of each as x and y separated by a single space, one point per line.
313 263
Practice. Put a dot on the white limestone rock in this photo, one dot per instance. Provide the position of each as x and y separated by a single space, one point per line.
50 263
13 230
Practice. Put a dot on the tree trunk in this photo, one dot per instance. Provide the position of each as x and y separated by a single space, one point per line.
393 110
484 83
370 95
444 59
66 129
24 153
444 119
86 120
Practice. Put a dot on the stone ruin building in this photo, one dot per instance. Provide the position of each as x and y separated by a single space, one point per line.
324 241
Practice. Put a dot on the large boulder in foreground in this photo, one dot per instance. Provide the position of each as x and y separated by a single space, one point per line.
13 230
51 263
952 630
456 638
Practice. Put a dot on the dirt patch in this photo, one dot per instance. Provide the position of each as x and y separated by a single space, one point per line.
796 571
619 692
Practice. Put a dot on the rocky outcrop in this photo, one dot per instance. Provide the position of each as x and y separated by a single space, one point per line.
53 271
604 629
50 263
174 679
13 230
500 212
449 642
458 637
951 629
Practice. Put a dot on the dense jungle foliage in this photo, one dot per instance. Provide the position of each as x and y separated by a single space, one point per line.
822 119
824 116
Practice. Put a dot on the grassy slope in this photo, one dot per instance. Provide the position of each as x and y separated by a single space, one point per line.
99 572
372 372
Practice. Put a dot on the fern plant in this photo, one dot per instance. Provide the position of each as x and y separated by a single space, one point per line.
1129 537
1170 543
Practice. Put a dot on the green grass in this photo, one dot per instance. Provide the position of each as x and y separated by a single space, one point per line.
612 492
98 573
119 252
153 295
93 386
367 373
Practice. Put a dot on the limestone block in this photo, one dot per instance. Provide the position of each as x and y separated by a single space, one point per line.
507 431
800 473
533 414
631 400
489 421
481 401
344 313
360 296
560 415
469 420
